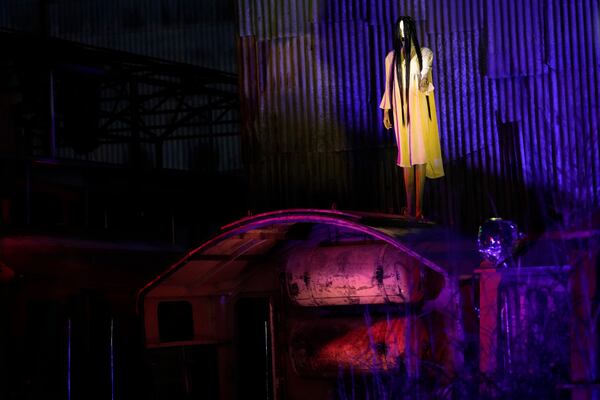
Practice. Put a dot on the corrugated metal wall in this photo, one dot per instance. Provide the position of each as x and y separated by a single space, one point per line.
516 90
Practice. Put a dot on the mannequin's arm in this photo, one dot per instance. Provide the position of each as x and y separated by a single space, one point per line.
427 56
425 84
385 104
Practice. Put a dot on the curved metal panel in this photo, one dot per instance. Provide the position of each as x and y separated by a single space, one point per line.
295 216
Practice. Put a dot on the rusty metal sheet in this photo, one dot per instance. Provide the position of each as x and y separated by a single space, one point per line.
353 274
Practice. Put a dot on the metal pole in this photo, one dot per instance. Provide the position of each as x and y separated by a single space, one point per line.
173 228
69 359
52 117
27 192
112 359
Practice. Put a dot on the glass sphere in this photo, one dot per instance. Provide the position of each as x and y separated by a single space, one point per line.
497 239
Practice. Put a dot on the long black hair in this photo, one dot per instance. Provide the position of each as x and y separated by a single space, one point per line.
403 47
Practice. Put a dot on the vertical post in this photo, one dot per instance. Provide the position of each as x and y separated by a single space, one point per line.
134 145
112 360
488 292
584 340
27 192
52 122
69 359
211 137
272 346
173 228
86 208
184 371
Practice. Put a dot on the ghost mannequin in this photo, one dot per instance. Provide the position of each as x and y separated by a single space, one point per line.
409 107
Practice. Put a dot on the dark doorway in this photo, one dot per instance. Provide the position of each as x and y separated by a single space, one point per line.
254 357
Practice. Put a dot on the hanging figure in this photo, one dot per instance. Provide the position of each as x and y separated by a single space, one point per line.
409 107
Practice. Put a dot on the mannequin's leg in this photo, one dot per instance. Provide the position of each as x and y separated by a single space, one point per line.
409 189
420 188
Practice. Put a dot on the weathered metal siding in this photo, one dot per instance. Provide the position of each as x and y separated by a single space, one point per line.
196 32
19 15
516 92
201 33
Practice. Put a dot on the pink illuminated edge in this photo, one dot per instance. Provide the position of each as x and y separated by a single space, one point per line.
302 211
284 217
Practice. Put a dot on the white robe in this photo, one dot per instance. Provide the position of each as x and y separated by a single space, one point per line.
418 141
